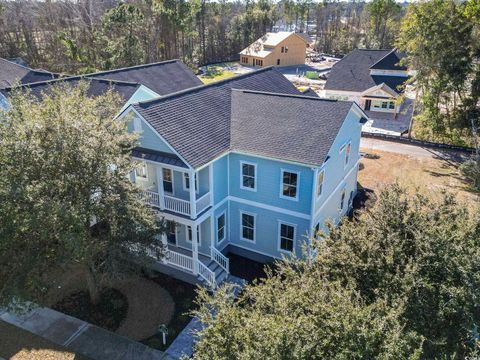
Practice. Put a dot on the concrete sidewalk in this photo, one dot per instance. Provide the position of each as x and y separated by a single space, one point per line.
81 337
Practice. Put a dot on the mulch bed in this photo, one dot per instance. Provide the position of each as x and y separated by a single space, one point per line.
109 313
183 295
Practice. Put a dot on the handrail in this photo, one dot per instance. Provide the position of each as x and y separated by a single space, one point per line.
203 202
177 205
180 260
220 259
152 197
206 274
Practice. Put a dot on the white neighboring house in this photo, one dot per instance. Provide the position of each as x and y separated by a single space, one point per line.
376 81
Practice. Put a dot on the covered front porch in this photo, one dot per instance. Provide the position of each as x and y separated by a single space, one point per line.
191 249
169 185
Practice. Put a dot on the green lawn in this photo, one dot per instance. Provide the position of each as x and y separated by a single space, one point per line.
216 73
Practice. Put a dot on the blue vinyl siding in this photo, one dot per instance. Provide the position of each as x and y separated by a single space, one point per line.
335 178
266 229
205 235
143 93
148 139
220 176
269 183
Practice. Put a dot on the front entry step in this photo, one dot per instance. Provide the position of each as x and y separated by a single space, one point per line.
220 274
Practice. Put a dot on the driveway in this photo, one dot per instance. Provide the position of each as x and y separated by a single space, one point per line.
410 150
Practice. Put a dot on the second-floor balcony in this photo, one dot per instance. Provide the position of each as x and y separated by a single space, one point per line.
177 205
169 185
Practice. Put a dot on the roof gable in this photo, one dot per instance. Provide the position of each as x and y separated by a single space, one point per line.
164 77
11 73
391 61
264 46
287 127
196 122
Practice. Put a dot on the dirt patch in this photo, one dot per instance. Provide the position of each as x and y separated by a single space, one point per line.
427 175
149 305
108 313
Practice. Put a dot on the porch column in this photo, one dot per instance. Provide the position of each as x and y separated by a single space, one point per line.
210 183
160 188
193 196
133 176
213 234
195 248
165 246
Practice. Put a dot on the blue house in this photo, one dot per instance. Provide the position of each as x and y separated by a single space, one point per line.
247 165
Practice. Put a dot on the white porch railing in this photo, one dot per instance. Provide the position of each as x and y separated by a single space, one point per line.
203 202
206 274
177 205
220 259
180 260
152 198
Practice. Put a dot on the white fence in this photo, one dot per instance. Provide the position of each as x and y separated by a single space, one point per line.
152 198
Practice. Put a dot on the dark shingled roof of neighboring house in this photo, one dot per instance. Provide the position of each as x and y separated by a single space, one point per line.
310 92
164 77
11 73
390 61
196 122
304 127
352 73
97 87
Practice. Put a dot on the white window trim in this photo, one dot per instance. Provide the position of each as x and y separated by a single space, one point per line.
199 234
254 189
281 184
317 195
173 181
254 241
197 186
279 239
219 241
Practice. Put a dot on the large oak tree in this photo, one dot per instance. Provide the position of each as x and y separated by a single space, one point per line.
65 195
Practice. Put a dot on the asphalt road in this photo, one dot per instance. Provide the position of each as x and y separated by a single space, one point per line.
367 144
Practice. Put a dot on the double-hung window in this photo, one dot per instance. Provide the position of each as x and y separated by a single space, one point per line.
290 184
347 153
248 176
221 228
342 200
287 237
247 226
320 177
167 180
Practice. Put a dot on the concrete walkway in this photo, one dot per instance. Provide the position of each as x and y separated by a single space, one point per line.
81 337
185 341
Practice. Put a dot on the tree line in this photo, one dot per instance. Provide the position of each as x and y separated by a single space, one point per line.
75 36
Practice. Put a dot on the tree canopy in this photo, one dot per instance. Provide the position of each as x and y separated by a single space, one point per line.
399 282
66 199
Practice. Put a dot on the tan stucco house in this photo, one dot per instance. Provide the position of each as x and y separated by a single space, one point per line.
283 48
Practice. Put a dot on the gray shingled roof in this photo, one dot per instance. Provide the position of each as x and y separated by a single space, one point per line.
352 73
164 77
11 72
97 86
310 92
304 126
196 122
391 61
